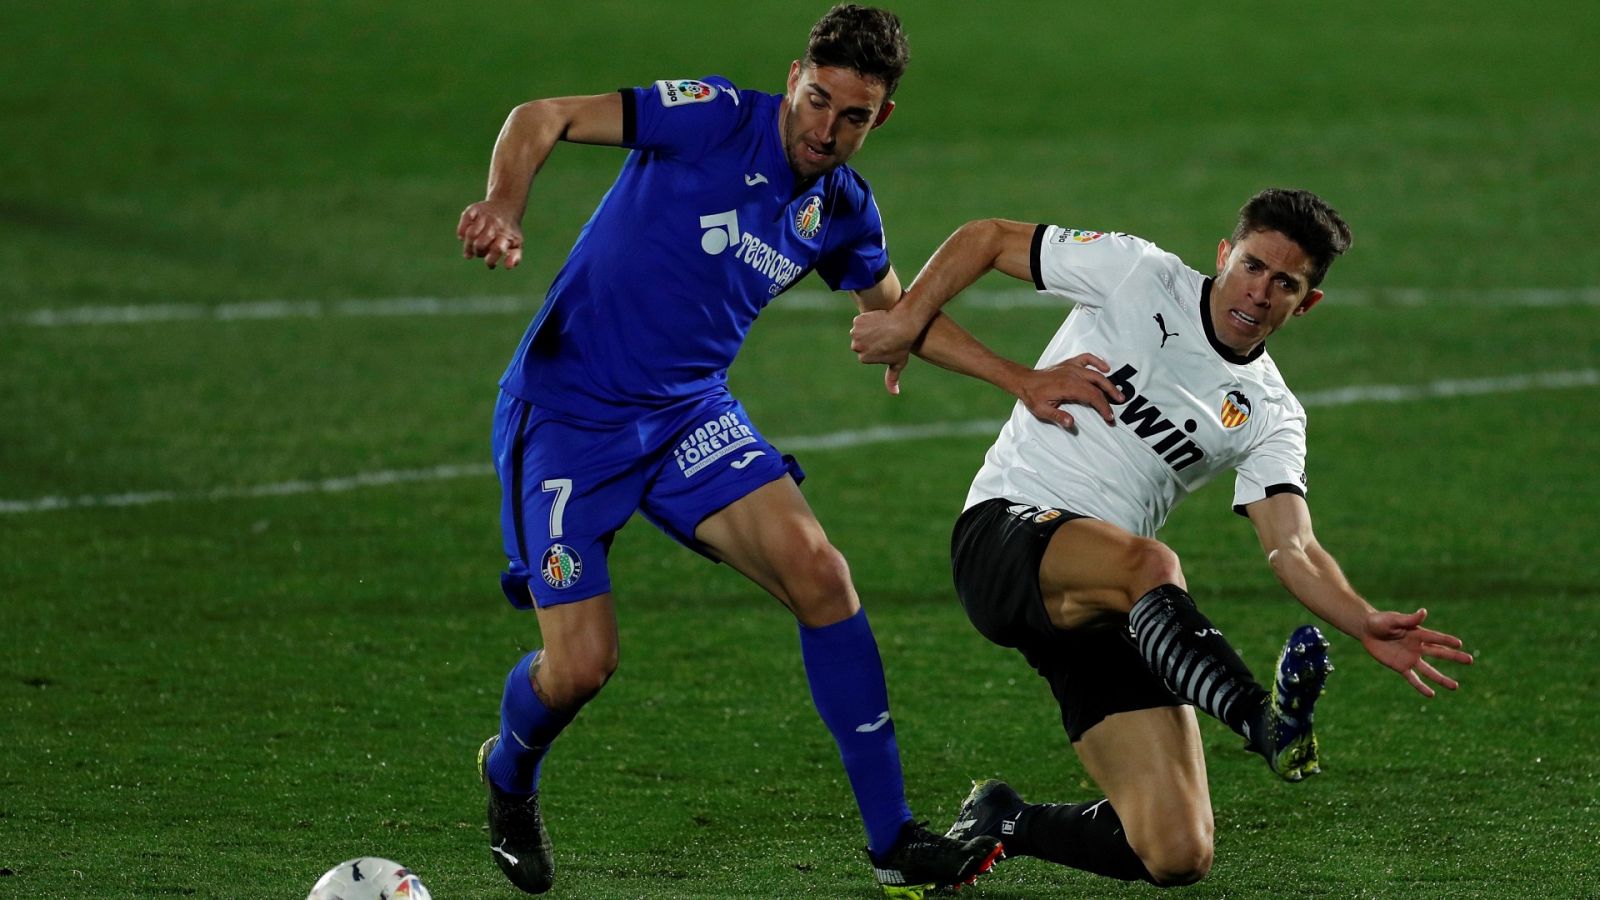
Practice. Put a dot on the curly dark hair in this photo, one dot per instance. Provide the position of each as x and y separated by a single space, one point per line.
1302 217
868 41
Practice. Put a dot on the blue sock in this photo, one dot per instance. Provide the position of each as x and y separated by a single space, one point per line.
847 686
527 727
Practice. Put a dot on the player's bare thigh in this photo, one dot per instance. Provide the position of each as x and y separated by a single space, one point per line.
771 537
1152 767
1092 569
580 651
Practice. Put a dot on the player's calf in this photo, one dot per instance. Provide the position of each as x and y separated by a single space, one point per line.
1195 659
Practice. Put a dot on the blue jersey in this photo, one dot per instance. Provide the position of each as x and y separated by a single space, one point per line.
705 226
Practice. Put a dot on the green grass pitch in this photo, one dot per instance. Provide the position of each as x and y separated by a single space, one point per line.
220 676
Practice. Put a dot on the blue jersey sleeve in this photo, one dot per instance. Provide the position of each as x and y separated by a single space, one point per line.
680 117
860 258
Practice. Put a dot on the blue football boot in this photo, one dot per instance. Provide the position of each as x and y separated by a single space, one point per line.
1289 743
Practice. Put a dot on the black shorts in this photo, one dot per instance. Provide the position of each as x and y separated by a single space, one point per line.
1094 671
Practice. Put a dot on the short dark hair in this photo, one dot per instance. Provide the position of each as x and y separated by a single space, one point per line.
868 41
1302 217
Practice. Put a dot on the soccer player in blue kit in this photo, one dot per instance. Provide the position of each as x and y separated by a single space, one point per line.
617 400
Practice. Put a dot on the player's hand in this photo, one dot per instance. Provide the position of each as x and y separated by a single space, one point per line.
1079 380
1399 641
491 230
882 337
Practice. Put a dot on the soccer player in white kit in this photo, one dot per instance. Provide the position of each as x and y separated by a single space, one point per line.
1056 554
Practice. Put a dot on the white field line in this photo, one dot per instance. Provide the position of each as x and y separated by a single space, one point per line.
281 489
1489 298
1378 393
999 299
268 310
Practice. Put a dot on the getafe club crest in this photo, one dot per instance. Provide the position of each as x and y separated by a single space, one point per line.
561 567
1235 410
808 221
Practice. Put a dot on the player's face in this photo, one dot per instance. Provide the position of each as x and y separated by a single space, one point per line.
1261 281
827 113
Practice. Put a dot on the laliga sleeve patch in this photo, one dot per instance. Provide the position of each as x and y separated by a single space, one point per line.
1075 236
683 91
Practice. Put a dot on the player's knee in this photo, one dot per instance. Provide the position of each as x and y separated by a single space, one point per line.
578 679
1178 858
1151 565
818 586
594 676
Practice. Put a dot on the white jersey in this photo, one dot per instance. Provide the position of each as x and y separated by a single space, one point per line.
1193 407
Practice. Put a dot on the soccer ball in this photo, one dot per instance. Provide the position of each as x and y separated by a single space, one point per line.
368 878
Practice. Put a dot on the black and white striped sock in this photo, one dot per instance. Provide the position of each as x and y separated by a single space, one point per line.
1195 660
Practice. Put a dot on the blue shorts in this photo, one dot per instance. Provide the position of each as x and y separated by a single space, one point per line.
568 486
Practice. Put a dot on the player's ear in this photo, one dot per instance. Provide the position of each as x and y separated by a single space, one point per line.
1223 249
1310 301
883 114
794 77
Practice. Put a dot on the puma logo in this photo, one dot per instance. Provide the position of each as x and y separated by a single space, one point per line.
1162 324
500 849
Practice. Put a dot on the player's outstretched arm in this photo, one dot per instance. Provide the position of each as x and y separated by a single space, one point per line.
890 337
888 332
491 229
1398 640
